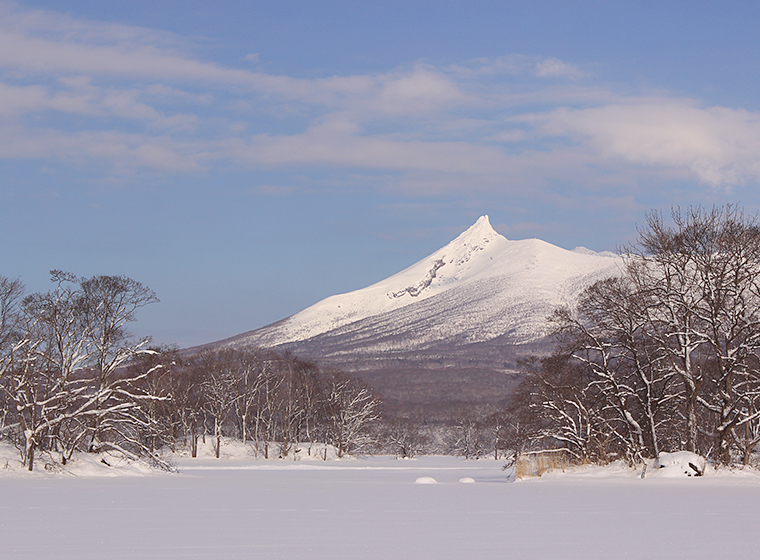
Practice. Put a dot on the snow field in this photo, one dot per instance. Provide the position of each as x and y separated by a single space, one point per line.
371 508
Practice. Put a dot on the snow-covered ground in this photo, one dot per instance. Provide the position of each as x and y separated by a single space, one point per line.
240 507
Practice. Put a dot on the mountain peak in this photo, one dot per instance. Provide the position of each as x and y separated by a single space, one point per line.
481 229
483 221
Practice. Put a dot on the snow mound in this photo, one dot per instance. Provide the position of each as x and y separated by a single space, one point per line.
426 480
467 480
680 463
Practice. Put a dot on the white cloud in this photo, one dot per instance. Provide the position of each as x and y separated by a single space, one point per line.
420 91
123 151
86 101
31 54
339 144
135 97
717 144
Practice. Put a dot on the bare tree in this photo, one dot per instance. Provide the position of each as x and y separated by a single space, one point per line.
672 348
610 334
567 410
108 304
404 438
705 273
49 394
218 386
11 293
64 378
251 376
353 410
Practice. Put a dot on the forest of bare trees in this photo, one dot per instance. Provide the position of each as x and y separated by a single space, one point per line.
277 403
665 357
73 379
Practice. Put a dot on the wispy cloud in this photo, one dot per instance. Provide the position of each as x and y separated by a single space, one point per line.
555 68
521 65
132 97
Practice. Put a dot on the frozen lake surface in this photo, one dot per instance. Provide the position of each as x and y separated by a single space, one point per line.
372 508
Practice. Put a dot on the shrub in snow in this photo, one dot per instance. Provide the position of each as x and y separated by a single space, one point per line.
536 463
680 463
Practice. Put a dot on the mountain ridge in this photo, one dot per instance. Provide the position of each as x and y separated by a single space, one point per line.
524 280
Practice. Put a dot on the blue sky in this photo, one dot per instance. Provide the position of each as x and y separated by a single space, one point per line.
247 159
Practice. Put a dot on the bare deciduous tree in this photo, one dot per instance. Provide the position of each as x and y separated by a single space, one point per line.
670 350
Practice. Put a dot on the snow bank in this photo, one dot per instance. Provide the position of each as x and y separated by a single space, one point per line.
108 464
680 463
105 464
668 465
235 450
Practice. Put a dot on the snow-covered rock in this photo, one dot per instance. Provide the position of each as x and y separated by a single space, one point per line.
680 463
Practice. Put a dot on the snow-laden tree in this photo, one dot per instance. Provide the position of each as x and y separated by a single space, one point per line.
108 304
219 388
11 293
404 438
65 377
704 272
672 347
267 398
12 340
49 388
353 409
563 409
251 375
609 333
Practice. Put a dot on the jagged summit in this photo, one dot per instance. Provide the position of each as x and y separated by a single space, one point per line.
480 230
478 287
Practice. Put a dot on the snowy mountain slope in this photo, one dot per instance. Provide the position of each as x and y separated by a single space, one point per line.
478 287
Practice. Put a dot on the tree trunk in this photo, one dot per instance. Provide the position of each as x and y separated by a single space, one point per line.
691 422
30 454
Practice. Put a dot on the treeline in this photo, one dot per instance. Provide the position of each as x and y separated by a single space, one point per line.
73 379
283 407
274 402
664 357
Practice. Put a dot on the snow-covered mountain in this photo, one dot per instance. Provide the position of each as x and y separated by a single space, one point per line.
478 287
449 330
